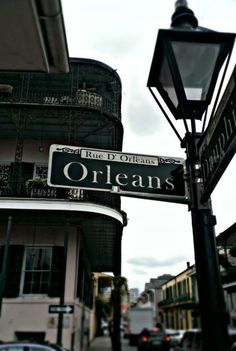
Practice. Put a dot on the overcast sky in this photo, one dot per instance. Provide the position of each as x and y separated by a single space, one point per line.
122 34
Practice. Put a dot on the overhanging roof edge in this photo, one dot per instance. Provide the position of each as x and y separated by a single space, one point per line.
46 205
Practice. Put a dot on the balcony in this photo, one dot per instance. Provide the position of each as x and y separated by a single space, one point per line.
166 303
10 95
177 301
38 189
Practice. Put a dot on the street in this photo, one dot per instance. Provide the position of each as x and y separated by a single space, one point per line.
103 343
126 346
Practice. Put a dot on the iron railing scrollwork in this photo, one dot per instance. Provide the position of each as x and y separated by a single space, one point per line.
82 98
40 190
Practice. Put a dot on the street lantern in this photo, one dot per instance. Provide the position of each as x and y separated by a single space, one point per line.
189 63
185 67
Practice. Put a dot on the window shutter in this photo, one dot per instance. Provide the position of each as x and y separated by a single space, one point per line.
14 268
1 257
79 291
56 279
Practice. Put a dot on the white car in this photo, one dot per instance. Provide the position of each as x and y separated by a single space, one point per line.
29 346
192 340
176 336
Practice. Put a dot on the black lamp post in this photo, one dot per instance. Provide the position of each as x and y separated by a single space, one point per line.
187 63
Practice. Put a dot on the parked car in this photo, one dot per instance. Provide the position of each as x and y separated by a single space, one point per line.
154 339
192 340
104 326
29 346
232 334
176 336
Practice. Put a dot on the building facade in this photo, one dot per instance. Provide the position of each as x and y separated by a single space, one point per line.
179 305
226 243
154 295
51 239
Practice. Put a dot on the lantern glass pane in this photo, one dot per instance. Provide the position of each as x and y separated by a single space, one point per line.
167 81
196 63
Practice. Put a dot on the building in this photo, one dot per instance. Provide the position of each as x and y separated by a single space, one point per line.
133 295
152 294
179 303
102 302
226 243
53 239
104 286
32 28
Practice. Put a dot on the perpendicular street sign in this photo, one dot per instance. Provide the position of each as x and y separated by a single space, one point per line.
60 309
153 177
219 142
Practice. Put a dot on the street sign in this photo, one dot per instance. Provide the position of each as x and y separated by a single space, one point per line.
219 142
61 309
153 177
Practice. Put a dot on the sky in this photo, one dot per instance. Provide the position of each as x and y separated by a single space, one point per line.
122 34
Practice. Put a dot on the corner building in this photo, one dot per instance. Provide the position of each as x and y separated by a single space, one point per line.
53 239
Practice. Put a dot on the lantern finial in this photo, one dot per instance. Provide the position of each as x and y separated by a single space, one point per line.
182 3
183 16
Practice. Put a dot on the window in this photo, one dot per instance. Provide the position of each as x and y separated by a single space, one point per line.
36 270
4 173
179 288
40 171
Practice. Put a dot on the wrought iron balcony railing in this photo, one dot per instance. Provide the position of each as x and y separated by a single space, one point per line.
39 189
187 298
82 98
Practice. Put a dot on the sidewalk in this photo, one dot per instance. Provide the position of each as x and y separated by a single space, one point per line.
101 343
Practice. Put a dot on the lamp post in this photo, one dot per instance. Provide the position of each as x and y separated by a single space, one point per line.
187 64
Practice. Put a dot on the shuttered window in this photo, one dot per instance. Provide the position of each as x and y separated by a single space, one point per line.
36 270
33 270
